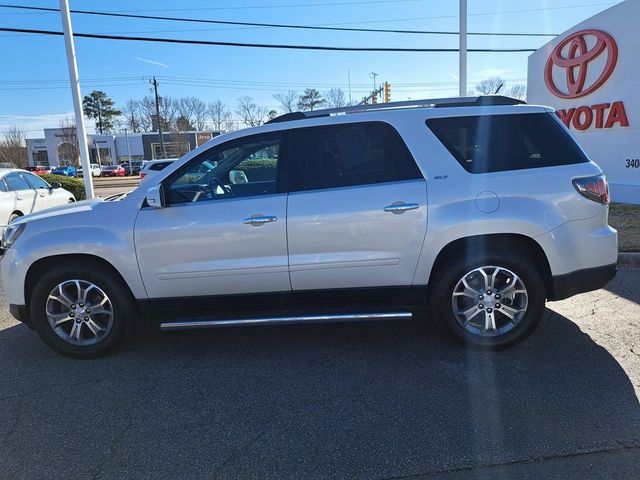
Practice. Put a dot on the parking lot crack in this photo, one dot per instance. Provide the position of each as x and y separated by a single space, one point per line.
116 442
516 462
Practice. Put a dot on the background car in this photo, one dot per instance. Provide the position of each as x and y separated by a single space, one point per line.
113 171
134 167
154 166
40 169
67 171
96 170
22 192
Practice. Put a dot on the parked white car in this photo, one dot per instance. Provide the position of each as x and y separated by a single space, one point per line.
481 208
22 192
96 170
151 168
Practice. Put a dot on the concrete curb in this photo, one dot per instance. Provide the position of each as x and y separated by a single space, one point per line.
628 260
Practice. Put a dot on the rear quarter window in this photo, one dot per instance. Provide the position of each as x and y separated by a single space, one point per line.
158 166
496 143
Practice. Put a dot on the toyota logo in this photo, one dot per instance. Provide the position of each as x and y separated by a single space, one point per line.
577 60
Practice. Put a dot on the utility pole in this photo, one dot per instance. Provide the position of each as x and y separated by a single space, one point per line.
154 82
77 101
463 48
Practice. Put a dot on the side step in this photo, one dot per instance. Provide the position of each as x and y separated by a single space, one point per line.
297 319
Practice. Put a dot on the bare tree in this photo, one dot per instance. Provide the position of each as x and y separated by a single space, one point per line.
310 99
288 101
168 112
490 86
231 125
194 111
68 150
519 91
134 118
272 114
13 147
336 98
219 114
250 113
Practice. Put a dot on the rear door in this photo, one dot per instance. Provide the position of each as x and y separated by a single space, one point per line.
45 196
357 211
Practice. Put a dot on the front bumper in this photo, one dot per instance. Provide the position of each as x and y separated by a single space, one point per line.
581 281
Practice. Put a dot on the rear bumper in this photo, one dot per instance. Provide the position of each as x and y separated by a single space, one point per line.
580 281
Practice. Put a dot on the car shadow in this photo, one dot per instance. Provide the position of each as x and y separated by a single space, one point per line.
374 400
626 285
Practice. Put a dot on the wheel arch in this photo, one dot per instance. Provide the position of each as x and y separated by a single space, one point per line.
475 244
40 266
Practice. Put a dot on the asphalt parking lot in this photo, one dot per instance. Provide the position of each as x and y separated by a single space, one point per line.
366 401
107 186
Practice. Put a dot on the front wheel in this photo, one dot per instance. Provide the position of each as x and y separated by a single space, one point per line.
489 301
82 311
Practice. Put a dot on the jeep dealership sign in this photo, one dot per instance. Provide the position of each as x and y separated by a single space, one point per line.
591 75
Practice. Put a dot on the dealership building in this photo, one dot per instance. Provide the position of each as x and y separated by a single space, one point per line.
591 75
58 147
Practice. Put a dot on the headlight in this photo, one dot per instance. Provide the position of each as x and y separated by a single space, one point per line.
11 234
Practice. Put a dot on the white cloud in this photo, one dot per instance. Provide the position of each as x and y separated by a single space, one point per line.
153 62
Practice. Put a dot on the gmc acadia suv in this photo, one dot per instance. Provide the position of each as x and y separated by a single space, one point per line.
481 208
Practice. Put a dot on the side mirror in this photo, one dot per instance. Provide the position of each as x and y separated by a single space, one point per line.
155 197
55 185
237 176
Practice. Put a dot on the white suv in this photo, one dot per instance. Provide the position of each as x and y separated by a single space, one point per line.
481 207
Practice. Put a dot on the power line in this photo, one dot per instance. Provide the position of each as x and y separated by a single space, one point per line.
263 45
277 25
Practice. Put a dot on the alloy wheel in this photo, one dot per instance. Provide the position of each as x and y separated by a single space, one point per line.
79 312
489 301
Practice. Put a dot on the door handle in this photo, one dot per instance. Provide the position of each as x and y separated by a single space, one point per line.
401 207
259 219
19 197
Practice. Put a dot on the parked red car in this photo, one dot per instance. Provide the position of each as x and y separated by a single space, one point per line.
113 171
40 169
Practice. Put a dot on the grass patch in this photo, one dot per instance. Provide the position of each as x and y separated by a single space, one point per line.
626 219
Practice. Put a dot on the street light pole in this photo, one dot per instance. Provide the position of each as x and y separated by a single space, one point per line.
75 91
126 135
463 49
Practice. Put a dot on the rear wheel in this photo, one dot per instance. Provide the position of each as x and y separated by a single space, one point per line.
13 216
82 311
494 300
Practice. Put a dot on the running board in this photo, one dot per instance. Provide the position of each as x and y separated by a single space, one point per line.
298 319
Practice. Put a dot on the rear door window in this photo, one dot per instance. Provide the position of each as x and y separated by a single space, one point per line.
495 143
350 154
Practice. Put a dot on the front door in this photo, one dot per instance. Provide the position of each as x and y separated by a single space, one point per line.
357 213
24 195
223 229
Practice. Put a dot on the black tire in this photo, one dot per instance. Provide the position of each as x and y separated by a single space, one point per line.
14 216
125 311
448 276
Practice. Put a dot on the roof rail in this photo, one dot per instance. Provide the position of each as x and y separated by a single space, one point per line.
482 100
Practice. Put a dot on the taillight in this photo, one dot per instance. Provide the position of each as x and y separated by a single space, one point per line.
594 188
142 175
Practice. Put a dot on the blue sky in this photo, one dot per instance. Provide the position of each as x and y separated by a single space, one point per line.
34 93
